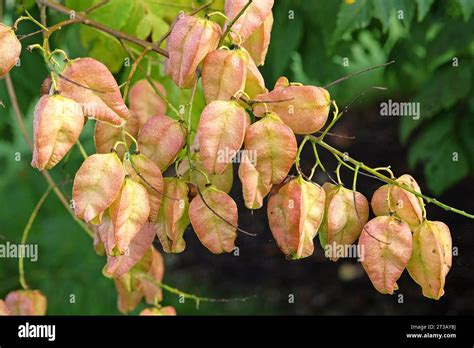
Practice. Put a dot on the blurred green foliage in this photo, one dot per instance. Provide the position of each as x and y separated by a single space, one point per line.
311 42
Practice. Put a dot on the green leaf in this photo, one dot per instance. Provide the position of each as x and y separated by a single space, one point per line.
423 8
351 17
435 97
382 11
466 7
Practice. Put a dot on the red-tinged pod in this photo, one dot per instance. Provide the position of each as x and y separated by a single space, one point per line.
91 84
173 216
4 309
386 246
128 213
389 199
10 49
254 188
214 217
26 302
346 213
221 134
191 39
96 186
145 102
144 171
257 44
253 17
224 73
431 257
304 109
106 136
273 145
295 213
254 83
161 139
168 310
57 126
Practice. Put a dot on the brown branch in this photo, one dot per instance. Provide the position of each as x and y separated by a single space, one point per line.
82 19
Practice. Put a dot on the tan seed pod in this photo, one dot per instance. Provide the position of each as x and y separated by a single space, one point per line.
254 188
26 302
10 49
257 44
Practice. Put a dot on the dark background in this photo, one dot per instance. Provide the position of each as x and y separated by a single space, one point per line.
309 47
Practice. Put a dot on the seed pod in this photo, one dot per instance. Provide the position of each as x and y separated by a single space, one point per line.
106 135
96 185
10 49
92 85
57 126
152 292
391 198
304 109
431 258
161 139
117 265
346 213
216 233
3 308
128 213
191 39
275 147
145 102
295 213
168 310
254 189
26 302
45 86
142 170
253 17
222 181
254 83
221 134
257 44
173 215
386 246
223 74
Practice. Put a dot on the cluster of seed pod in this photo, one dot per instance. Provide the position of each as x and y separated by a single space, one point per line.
129 201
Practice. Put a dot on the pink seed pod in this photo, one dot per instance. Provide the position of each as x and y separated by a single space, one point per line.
295 213
167 310
431 258
345 215
10 49
254 188
106 136
214 233
26 302
393 199
254 83
161 139
224 73
221 134
191 39
386 247
145 102
304 109
257 44
57 126
275 147
253 17
91 84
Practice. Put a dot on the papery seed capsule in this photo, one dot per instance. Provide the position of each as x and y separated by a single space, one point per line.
128 213
91 84
145 102
254 188
191 39
26 302
345 215
57 126
295 213
214 217
221 134
173 216
160 139
257 44
10 49
386 247
96 185
3 308
274 145
106 136
390 198
223 73
254 83
168 310
431 257
253 17
304 109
